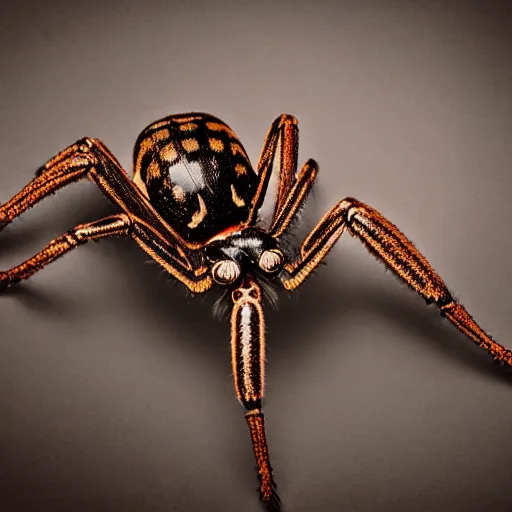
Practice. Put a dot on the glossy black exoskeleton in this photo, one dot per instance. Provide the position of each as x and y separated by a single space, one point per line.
196 174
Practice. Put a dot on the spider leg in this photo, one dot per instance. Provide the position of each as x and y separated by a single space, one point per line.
89 158
248 361
391 247
115 225
278 161
295 199
314 248
170 257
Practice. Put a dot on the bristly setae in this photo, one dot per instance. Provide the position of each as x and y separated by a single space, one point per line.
194 207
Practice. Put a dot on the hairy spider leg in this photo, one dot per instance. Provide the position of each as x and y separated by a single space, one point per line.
392 248
314 248
115 225
89 158
295 199
278 161
248 362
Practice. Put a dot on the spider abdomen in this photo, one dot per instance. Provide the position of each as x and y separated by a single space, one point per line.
196 174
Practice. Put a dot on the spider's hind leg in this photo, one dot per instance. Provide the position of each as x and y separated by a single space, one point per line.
392 248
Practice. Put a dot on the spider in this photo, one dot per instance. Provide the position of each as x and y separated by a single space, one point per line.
194 207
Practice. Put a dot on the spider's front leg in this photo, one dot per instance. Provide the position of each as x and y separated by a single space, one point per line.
87 158
248 361
68 166
391 247
279 183
277 163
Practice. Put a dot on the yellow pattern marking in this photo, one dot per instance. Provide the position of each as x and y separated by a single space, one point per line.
153 171
217 145
236 198
240 169
237 149
218 127
187 119
159 124
169 153
160 135
149 143
188 127
199 216
190 145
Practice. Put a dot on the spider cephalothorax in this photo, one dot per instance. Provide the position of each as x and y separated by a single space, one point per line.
249 250
194 207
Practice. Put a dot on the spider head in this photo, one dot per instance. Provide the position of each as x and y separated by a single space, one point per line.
247 251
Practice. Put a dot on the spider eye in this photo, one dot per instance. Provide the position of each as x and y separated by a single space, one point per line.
225 271
271 260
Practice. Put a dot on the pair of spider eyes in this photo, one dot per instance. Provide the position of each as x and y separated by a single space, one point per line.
228 271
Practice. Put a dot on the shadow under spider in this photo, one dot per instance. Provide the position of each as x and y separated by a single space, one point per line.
330 297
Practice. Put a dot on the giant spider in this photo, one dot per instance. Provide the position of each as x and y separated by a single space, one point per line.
193 205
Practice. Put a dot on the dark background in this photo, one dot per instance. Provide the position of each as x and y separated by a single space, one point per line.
115 388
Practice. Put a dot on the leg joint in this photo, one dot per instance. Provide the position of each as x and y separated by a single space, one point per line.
348 208
115 225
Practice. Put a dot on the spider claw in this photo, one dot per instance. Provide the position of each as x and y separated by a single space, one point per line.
272 502
269 496
5 282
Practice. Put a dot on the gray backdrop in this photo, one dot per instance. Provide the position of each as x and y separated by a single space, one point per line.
115 387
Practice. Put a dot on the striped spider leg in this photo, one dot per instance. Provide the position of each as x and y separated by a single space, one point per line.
248 365
89 158
277 167
392 248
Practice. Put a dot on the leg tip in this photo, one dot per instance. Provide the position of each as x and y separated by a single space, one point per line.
5 282
272 502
